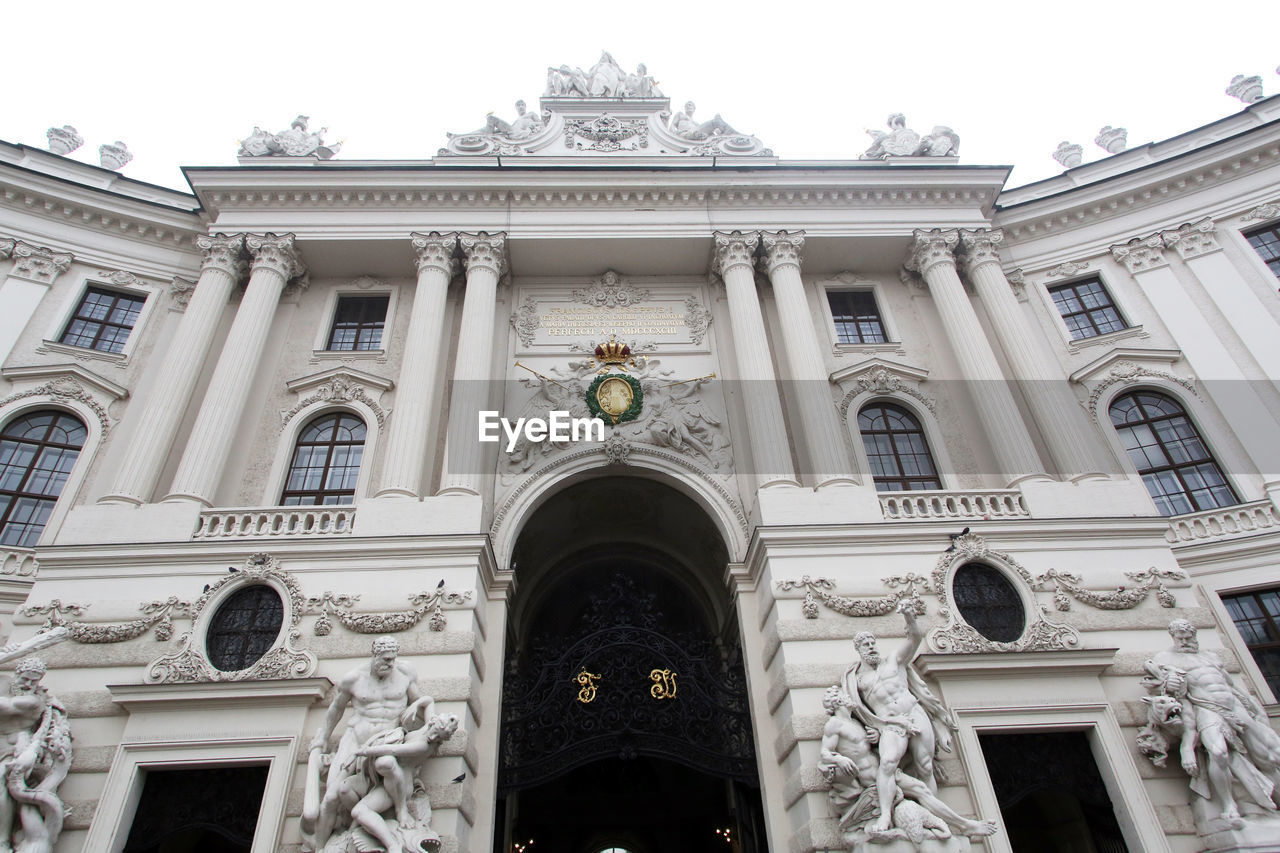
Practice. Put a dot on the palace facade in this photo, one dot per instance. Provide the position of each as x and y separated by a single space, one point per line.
241 440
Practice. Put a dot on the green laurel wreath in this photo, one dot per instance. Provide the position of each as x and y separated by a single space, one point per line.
632 412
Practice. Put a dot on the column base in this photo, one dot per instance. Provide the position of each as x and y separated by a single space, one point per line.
121 500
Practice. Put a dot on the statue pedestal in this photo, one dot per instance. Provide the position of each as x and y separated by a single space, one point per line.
1259 833
859 843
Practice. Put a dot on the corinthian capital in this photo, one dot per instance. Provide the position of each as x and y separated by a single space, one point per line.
275 252
782 248
435 251
38 263
1140 253
980 246
485 251
223 252
1193 238
733 248
930 247
6 248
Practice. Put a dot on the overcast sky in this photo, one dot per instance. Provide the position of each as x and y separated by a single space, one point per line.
181 83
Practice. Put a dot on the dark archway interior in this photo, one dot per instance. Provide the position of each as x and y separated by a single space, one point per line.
621 577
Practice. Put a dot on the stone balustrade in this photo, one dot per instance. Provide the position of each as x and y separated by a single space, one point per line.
931 505
275 521
20 562
1222 523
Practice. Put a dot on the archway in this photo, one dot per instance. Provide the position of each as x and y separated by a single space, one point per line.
625 721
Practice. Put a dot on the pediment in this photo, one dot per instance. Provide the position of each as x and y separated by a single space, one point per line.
1125 360
879 371
57 375
348 374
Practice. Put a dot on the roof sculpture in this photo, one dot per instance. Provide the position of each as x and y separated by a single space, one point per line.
603 111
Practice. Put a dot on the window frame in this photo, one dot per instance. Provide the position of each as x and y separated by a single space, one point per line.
361 325
1051 289
288 440
1213 454
1247 234
845 283
1260 579
331 446
135 288
923 432
40 446
360 287
854 292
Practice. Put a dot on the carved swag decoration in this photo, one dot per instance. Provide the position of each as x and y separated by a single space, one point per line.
388 622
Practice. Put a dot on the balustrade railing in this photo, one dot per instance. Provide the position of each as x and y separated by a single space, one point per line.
980 505
19 562
1223 522
275 521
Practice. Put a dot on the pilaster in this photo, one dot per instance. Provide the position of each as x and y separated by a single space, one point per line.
33 272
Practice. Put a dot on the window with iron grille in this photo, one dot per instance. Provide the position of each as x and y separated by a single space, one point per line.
244 628
1266 242
326 462
103 320
988 602
37 453
358 322
1165 447
1257 618
896 448
1087 308
856 317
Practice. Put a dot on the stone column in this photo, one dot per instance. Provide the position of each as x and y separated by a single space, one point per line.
767 431
275 261
1197 244
156 426
410 434
828 456
931 256
1071 439
34 270
472 373
1219 374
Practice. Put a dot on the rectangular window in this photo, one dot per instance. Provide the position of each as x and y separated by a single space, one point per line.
205 808
856 317
1266 242
1257 618
358 323
1087 309
103 320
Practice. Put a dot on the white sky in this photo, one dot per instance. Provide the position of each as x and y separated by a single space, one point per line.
181 83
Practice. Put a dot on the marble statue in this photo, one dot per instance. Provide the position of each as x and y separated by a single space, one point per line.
297 141
942 141
682 124
890 696
1225 743
372 797
605 79
902 141
641 85
35 756
526 124
849 762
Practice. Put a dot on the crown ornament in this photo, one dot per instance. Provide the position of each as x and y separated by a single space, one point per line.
614 353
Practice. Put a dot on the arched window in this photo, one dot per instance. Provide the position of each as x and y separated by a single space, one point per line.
899 456
1163 444
326 462
37 452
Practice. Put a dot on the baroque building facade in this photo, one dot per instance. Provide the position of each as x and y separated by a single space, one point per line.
1016 430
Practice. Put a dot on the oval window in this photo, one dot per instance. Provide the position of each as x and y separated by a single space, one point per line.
988 602
244 628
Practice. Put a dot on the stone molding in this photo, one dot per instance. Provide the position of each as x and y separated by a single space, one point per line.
1270 210
980 247
782 248
735 249
883 378
6 248
1141 253
485 251
277 253
224 252
930 247
435 250
1067 269
1193 239
1017 283
339 385
37 263
180 291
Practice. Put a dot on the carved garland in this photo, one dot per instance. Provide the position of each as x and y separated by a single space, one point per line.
697 318
611 291
389 622
1129 372
158 615
191 664
817 591
60 390
525 320
339 389
957 636
1122 598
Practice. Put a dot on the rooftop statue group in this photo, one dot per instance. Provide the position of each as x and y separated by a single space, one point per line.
297 141
366 794
878 751
606 79
901 141
1222 735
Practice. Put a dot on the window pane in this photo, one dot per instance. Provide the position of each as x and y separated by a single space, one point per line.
358 323
37 453
1086 308
326 462
1255 615
857 319
896 449
103 320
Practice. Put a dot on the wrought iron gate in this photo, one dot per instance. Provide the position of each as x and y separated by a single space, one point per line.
622 685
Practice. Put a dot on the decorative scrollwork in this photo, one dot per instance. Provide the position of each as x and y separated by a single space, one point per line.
1129 372
817 591
525 320
697 318
386 622
588 681
664 684
159 615
1066 584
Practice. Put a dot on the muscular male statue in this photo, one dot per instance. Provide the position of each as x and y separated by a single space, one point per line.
378 694
850 765
35 755
890 696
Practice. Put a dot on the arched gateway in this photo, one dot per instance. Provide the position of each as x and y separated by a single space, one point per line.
625 721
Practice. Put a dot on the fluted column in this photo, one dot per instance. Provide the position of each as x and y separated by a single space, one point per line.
828 458
410 434
931 255
153 434
767 432
275 261
1061 419
485 261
